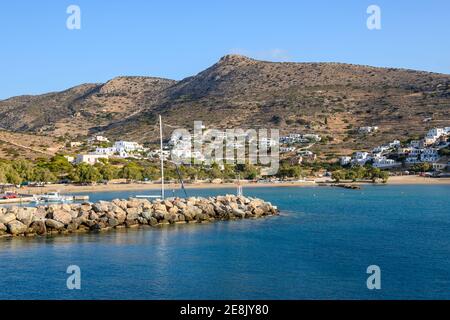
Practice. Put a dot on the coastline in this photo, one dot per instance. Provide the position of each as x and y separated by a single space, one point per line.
396 180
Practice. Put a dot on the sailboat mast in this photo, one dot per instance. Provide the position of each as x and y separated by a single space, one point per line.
162 158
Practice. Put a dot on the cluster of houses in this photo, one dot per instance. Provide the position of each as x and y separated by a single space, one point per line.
287 143
425 150
120 149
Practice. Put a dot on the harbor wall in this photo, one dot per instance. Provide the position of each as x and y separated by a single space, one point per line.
121 213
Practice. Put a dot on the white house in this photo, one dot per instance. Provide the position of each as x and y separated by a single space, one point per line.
429 155
105 151
361 158
312 136
98 139
127 146
412 160
416 144
367 129
440 166
89 158
384 163
435 133
380 149
345 160
75 144
395 144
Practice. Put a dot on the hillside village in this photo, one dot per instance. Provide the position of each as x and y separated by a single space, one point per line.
433 150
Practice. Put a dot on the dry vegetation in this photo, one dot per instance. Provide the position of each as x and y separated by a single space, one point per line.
327 98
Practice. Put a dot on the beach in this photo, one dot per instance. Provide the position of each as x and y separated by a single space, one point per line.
68 188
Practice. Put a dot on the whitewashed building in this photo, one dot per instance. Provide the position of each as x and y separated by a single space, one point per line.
89 158
345 160
385 163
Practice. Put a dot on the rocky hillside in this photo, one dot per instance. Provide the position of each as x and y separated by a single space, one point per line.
77 110
331 99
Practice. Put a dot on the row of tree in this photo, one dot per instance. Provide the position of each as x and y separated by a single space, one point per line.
58 168
361 173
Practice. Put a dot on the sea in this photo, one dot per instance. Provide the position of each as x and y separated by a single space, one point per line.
325 244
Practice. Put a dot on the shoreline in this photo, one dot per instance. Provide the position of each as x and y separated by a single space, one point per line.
108 215
396 180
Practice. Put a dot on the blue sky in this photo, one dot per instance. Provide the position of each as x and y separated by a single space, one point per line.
175 39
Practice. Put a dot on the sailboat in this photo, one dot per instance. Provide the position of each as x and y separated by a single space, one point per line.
161 196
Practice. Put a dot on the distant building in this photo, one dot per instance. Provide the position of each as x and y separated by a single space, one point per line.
385 163
127 146
287 149
361 158
75 144
89 158
368 129
311 136
418 144
429 155
440 165
345 160
98 139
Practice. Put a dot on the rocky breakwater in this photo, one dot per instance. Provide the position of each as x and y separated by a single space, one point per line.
104 215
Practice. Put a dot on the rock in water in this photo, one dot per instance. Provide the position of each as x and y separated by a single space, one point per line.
105 215
62 216
16 227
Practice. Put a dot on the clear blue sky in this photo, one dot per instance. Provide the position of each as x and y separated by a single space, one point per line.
175 39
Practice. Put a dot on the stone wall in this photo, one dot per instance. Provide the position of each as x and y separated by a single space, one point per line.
104 215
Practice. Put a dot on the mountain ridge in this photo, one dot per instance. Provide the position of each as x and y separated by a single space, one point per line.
328 98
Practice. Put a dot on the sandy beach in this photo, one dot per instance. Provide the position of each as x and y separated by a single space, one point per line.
150 186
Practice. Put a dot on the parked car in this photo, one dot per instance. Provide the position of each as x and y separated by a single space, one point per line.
9 195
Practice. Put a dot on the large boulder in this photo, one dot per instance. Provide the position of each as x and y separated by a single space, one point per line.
113 222
16 227
25 215
102 206
146 215
7 217
132 213
120 203
38 227
239 213
53 224
120 215
160 207
62 216
41 213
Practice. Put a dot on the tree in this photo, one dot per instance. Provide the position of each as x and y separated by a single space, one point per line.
43 175
13 177
131 171
86 173
3 178
24 169
338 175
108 172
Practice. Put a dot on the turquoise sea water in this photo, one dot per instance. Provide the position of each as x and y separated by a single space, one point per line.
318 248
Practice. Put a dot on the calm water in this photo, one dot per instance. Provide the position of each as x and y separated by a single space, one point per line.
319 248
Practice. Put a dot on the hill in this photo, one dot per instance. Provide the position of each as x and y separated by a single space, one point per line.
331 99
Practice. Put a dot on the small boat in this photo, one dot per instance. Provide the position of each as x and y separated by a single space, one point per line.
52 197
